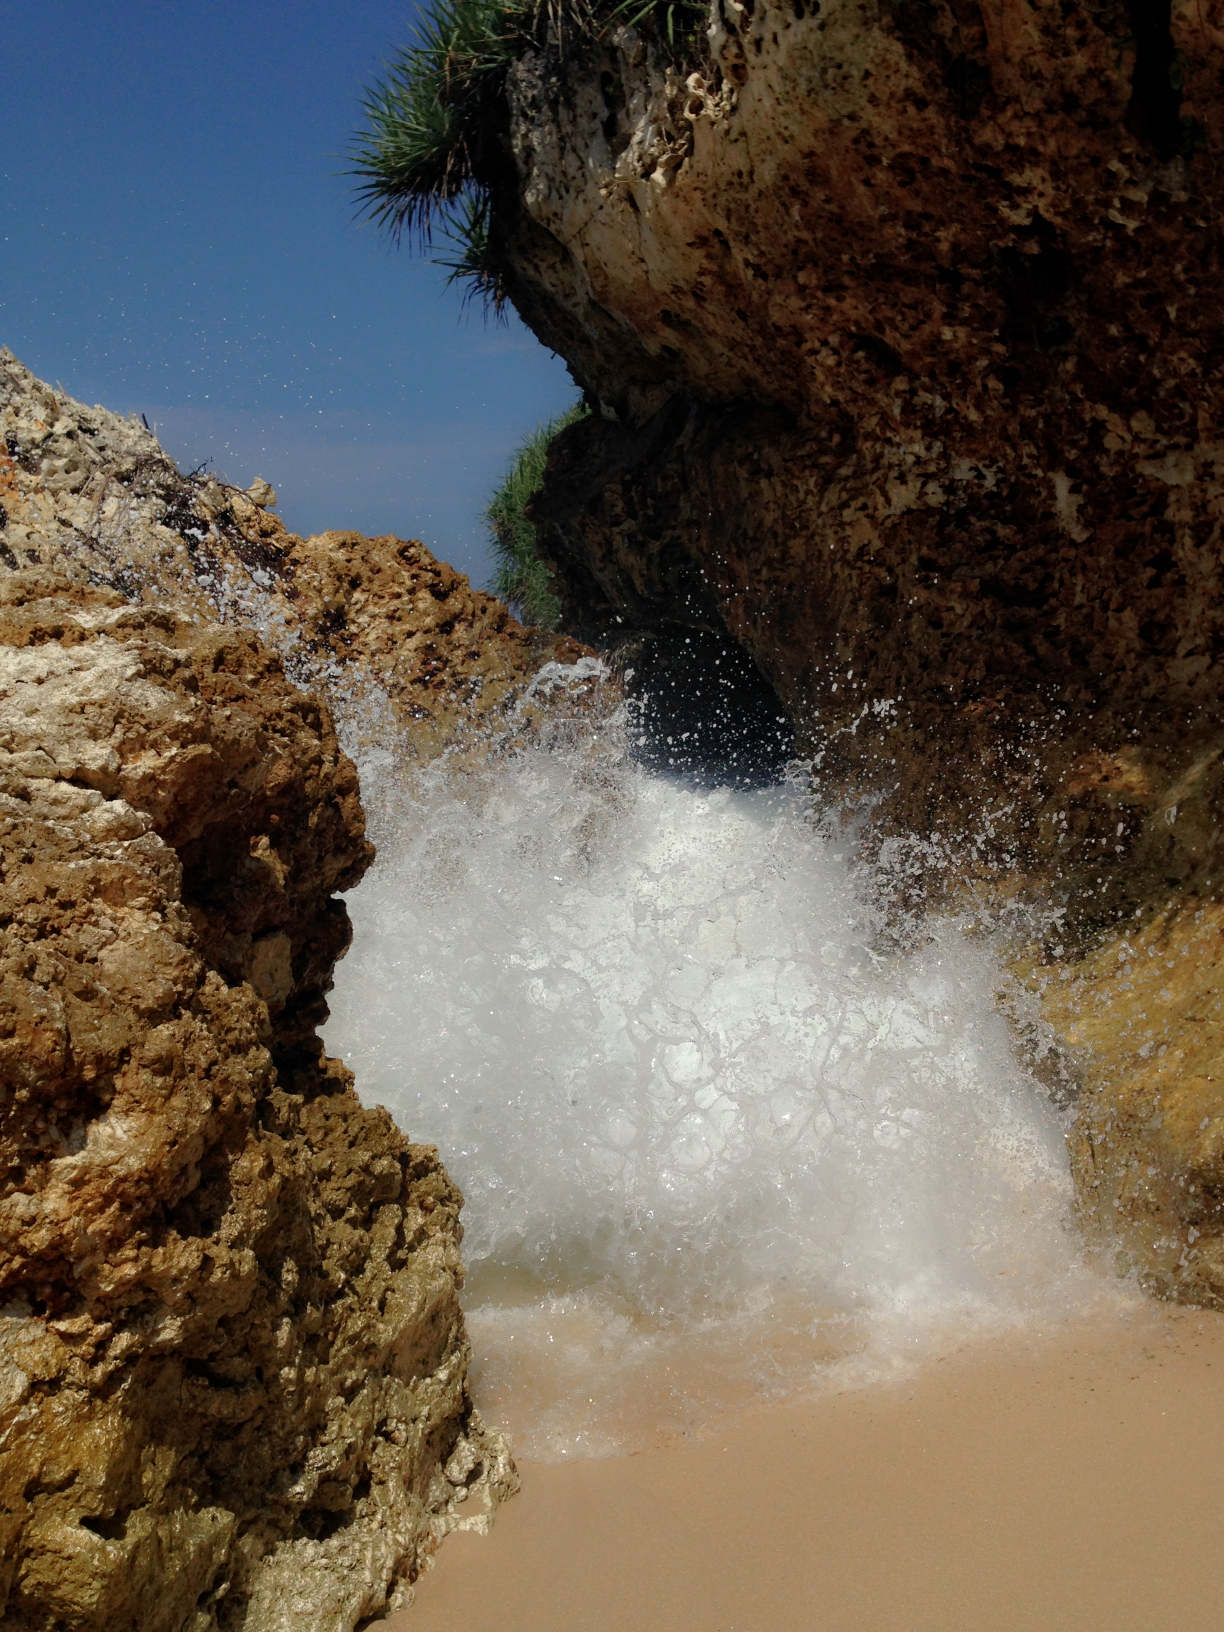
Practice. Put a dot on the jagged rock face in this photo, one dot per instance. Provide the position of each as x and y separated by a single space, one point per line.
906 328
232 1360
397 639
405 651
1142 1018
233 1369
381 619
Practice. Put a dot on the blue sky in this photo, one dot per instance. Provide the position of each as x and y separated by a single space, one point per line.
175 239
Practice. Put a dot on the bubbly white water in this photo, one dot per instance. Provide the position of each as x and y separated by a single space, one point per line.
715 1142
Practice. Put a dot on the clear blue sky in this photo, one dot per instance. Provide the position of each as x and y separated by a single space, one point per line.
175 238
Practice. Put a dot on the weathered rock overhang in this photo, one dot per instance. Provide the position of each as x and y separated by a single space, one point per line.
903 329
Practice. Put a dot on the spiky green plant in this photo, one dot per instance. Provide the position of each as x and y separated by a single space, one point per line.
521 578
427 149
426 122
465 228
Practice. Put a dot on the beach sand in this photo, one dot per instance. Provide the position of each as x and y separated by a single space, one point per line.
1069 1482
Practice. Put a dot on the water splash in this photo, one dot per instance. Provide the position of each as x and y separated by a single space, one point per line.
716 1142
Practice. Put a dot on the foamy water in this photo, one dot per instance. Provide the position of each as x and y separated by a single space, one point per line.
716 1141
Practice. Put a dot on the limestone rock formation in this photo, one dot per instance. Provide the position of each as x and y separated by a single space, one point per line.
903 323
233 1369
232 1360
387 631
1142 1016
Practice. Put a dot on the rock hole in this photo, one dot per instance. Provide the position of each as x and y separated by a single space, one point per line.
321 1523
1154 113
1034 285
201 1369
969 82
110 1529
879 352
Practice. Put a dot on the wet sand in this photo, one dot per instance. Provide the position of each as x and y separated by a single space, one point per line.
1066 1483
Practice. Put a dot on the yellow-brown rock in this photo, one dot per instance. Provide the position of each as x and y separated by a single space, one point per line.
383 619
233 1369
399 641
905 340
1142 1020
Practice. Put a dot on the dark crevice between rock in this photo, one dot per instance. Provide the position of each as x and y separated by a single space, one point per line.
703 710
110 1529
1154 112
885 357
969 83
1036 283
702 707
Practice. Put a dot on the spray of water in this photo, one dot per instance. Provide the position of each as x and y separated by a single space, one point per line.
717 1140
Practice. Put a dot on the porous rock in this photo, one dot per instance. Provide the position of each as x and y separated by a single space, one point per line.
399 641
233 1360
902 323
233 1369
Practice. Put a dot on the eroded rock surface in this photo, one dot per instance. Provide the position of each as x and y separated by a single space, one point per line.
1142 1016
398 640
232 1360
903 324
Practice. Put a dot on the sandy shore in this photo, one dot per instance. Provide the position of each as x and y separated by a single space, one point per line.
1066 1483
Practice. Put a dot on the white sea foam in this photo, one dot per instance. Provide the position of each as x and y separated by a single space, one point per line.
716 1142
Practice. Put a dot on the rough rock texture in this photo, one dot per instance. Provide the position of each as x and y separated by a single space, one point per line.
399 640
407 650
1142 1018
905 326
232 1360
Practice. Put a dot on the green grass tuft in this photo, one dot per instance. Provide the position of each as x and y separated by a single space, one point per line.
522 579
676 21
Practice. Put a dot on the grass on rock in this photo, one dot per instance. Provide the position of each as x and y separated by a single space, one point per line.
521 578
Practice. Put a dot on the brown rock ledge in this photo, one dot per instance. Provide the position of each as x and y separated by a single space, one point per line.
397 640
